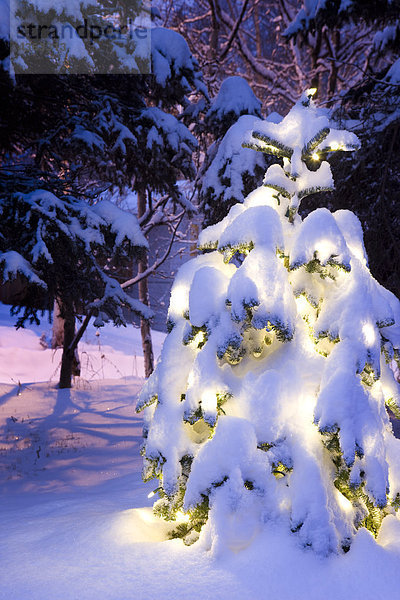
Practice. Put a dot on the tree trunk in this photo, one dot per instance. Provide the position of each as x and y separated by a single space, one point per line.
315 54
256 21
332 83
144 297
57 339
215 27
67 360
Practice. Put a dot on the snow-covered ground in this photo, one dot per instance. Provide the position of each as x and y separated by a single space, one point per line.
106 353
75 520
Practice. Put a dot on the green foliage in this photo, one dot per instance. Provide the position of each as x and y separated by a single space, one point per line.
192 334
239 249
232 351
170 508
152 467
190 530
265 446
195 416
282 191
280 470
367 514
145 403
393 407
170 325
313 143
313 190
270 146
369 374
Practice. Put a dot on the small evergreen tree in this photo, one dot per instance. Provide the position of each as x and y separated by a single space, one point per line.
269 399
235 98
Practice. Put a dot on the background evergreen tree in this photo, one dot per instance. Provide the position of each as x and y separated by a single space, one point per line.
92 134
350 52
372 102
269 399
65 249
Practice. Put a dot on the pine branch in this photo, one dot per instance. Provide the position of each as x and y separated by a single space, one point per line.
315 141
285 150
313 190
266 149
279 189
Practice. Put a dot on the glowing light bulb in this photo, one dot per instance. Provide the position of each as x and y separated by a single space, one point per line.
153 493
302 304
344 503
335 146
315 156
199 338
369 334
312 91
179 299
191 379
181 516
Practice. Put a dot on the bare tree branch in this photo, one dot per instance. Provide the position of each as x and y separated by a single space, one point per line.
234 30
158 262
365 73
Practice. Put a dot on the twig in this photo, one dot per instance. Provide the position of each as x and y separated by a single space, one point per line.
234 30
126 284
157 263
346 62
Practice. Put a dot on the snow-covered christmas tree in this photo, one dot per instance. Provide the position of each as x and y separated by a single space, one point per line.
269 401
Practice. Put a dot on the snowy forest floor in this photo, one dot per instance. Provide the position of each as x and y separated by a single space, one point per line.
75 520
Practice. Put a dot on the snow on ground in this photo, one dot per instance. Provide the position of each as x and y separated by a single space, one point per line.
107 352
76 523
